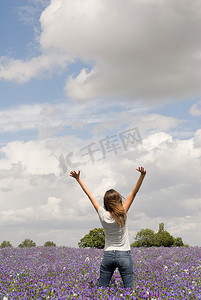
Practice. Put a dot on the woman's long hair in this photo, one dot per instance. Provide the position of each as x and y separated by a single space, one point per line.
113 204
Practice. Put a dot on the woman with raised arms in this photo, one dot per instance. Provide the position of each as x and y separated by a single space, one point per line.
113 219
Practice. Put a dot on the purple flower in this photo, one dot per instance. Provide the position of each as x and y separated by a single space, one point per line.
71 273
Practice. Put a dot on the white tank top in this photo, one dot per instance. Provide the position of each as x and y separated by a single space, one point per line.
116 237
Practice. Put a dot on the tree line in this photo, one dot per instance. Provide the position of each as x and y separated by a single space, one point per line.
96 239
27 243
144 238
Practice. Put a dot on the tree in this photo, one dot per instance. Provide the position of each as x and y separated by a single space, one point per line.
27 243
161 228
148 238
50 244
178 242
94 239
144 238
5 244
164 239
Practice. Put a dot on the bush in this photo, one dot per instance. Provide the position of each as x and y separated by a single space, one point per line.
50 244
5 244
27 243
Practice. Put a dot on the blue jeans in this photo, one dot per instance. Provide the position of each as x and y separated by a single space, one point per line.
116 259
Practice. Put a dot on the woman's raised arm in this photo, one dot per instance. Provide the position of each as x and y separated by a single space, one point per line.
131 196
85 189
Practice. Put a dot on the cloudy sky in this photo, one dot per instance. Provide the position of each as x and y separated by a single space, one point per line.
104 87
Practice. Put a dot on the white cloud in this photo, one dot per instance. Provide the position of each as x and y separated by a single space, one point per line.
81 87
28 13
37 67
49 110
51 209
15 216
195 109
197 139
156 140
19 118
142 49
35 157
46 118
145 50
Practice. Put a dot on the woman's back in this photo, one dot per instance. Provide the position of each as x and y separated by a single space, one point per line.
116 236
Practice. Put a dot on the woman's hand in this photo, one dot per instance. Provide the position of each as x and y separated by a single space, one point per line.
131 196
75 175
141 170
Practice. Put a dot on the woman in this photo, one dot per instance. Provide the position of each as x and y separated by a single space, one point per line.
113 219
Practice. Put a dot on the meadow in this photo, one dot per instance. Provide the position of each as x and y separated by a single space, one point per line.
72 273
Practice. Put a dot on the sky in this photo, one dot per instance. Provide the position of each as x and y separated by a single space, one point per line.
103 87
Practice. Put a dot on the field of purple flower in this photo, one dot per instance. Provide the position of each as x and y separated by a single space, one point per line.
69 273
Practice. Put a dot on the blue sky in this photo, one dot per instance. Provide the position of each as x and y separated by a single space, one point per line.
76 73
